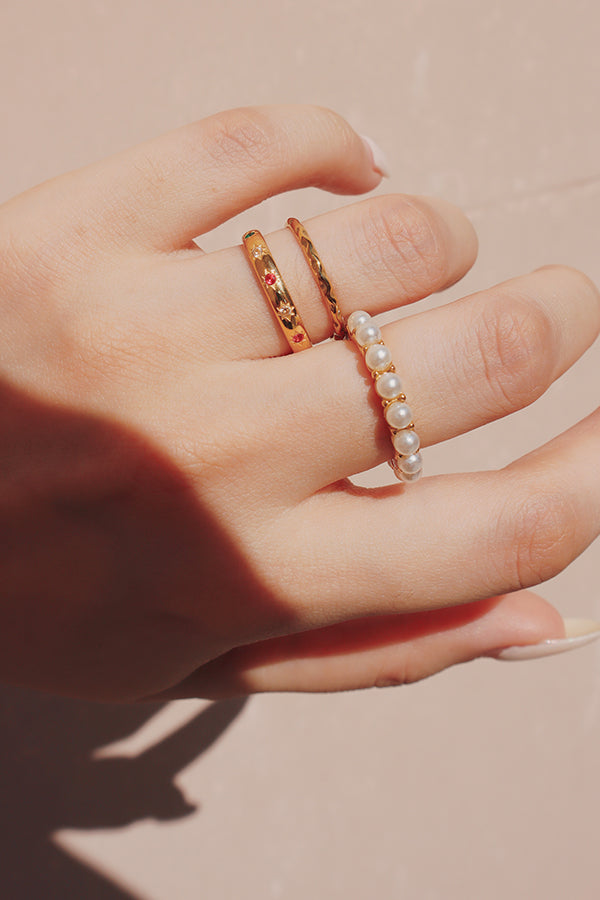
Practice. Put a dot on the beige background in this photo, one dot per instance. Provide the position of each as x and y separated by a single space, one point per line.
482 782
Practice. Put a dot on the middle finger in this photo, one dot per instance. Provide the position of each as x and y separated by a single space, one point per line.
379 254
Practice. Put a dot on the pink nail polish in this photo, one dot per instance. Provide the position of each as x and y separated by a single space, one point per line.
579 632
380 163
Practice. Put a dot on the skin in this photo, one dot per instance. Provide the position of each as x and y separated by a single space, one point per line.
175 514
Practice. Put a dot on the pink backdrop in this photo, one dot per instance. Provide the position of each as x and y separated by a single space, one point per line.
481 782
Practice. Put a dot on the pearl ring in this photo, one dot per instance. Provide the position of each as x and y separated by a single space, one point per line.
407 463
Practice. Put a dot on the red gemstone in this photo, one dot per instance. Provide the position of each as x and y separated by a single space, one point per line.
270 278
297 338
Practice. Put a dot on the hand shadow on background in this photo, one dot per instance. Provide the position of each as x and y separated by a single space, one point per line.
49 781
83 471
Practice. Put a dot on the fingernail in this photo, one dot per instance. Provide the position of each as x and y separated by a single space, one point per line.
578 633
380 163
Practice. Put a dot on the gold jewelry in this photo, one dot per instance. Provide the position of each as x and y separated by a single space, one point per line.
320 276
274 289
407 463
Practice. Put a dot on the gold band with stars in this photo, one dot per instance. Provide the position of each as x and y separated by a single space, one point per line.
274 289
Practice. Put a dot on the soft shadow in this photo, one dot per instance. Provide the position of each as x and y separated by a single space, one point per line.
49 781
105 551
116 579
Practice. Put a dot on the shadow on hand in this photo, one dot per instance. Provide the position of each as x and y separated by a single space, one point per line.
105 550
49 781
117 579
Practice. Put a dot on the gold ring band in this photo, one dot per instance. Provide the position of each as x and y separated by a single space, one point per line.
406 463
274 289
320 276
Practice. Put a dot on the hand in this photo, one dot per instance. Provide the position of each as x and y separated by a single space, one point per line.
174 511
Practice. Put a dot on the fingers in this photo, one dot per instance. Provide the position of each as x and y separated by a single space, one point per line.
394 550
314 418
461 365
176 187
379 254
376 652
383 564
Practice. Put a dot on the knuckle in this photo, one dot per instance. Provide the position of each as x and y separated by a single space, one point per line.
391 678
41 261
242 138
407 668
540 537
516 344
401 236
255 136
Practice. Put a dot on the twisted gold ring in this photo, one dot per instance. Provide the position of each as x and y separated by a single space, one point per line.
320 276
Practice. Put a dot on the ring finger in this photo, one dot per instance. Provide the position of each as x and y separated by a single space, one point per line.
462 365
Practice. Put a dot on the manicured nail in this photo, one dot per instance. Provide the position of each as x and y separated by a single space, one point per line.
579 632
380 163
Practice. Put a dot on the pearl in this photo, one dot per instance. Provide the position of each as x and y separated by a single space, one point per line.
412 464
406 442
367 334
356 319
388 386
378 358
398 415
414 477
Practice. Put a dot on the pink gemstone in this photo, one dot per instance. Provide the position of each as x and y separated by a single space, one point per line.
297 338
270 278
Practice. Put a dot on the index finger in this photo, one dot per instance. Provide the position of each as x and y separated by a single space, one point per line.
169 190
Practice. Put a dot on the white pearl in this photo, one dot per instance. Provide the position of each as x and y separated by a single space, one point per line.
378 358
406 442
412 464
367 334
357 318
398 415
413 477
388 386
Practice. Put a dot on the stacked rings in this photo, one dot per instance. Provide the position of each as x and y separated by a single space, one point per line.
407 463
274 289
